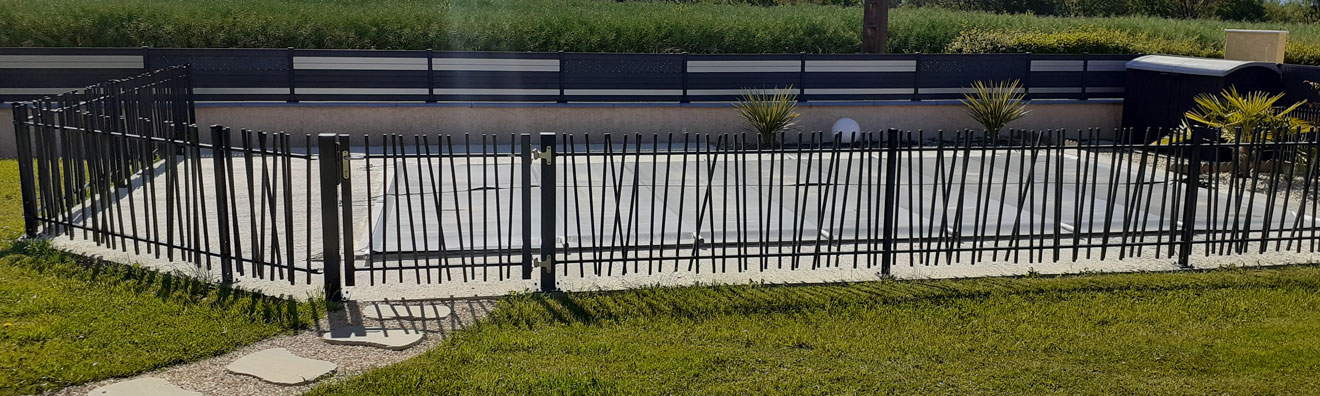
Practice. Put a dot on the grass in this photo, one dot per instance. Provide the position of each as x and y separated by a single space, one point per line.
67 320
11 202
578 25
1221 332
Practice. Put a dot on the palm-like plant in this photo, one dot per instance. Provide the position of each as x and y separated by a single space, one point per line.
1252 113
1250 117
996 104
768 113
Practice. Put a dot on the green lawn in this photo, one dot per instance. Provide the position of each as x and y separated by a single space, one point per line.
1220 332
67 320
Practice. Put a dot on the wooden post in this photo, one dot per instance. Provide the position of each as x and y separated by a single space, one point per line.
875 26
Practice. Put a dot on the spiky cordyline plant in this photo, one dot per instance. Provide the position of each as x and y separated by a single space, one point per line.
1252 117
995 104
768 113
1252 113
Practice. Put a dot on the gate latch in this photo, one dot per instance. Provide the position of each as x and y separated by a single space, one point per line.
547 263
547 155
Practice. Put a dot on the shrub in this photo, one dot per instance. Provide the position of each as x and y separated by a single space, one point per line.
1252 117
1240 10
768 112
1252 112
1301 52
1092 40
707 26
994 105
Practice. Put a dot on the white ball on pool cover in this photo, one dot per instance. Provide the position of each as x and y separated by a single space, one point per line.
848 129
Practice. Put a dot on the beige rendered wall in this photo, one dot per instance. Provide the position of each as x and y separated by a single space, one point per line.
1255 45
504 119
665 118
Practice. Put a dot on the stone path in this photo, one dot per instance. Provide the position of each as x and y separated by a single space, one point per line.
143 386
291 364
281 367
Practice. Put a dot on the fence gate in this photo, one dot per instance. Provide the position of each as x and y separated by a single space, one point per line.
465 211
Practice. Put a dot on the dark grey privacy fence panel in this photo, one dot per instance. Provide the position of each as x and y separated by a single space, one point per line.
724 77
237 74
1293 78
294 75
30 73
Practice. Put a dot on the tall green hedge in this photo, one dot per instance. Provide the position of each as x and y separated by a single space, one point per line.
593 26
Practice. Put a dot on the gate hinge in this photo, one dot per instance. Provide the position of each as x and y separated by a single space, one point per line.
547 155
547 263
345 166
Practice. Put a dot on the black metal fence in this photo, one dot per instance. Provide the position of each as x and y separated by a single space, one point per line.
1309 113
618 205
295 75
122 165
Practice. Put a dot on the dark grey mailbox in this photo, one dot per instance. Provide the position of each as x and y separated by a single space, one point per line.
1161 88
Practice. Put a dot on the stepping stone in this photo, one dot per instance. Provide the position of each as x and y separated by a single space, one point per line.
145 386
394 339
410 312
281 367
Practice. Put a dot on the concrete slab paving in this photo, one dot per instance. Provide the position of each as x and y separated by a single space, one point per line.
281 367
392 339
145 386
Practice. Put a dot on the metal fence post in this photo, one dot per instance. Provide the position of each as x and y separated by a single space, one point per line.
684 98
802 76
293 98
28 186
916 77
562 97
1086 70
220 153
329 161
430 76
526 142
346 196
1026 78
1188 227
548 206
891 194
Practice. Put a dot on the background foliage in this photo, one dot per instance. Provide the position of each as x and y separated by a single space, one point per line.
598 26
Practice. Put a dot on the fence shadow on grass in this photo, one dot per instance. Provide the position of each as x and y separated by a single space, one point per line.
283 311
701 302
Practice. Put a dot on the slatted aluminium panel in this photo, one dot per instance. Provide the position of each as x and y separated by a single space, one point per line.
360 75
1106 76
495 76
859 77
623 77
231 74
947 76
1057 76
27 73
725 77
415 76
